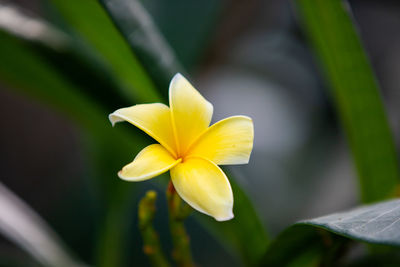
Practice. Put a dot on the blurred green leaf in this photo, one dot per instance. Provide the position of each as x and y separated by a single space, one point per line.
93 24
188 26
21 224
332 33
145 39
388 258
301 245
31 69
64 53
110 147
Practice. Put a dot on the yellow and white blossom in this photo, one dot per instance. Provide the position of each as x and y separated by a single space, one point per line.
189 147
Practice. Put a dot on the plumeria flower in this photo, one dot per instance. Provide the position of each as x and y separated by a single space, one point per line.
189 147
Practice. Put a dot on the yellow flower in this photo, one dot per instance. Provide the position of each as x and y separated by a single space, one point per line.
189 147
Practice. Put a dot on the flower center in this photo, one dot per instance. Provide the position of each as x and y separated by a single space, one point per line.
182 156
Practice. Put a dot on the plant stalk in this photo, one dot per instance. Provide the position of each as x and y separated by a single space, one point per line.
178 212
151 242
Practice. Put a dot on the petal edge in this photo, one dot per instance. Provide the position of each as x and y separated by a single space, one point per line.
205 187
229 141
152 161
154 119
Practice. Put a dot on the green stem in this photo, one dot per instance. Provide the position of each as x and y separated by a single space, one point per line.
178 212
151 242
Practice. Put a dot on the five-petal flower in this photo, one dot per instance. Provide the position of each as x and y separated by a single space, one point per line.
189 147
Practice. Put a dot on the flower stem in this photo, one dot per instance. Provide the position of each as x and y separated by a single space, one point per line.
178 212
151 243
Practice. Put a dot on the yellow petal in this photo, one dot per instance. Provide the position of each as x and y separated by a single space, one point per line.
153 160
228 141
204 186
191 113
154 119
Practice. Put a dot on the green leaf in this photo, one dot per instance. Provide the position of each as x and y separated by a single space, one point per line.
145 39
375 224
93 24
354 88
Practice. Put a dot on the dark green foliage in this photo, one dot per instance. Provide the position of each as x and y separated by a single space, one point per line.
356 93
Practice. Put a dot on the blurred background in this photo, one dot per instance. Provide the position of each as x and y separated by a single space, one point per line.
246 57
